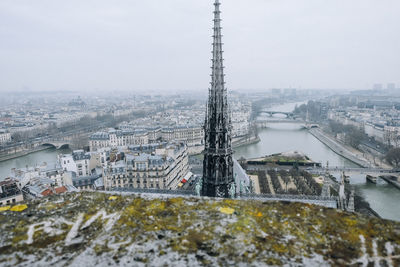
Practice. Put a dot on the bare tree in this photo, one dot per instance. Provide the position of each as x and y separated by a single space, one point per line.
393 157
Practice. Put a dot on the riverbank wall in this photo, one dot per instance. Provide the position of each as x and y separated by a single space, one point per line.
245 141
338 148
22 153
396 184
196 150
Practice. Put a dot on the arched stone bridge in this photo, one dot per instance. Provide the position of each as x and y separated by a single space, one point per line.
62 141
271 113
57 144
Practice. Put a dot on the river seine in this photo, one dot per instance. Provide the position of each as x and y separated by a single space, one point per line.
278 137
283 137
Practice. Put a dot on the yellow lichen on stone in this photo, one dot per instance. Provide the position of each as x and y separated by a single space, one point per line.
4 208
157 205
350 221
20 232
273 262
52 206
250 232
19 208
229 202
226 210
279 248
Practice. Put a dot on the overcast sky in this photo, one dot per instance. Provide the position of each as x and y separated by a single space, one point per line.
164 45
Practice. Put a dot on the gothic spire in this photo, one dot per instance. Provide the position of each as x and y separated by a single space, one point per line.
217 82
218 178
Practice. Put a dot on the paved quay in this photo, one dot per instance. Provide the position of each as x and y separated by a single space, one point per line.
339 148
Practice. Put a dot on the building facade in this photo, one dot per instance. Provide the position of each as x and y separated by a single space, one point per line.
189 135
153 166
5 137
10 192
77 162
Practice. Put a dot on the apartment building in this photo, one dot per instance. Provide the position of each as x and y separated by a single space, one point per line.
10 192
189 135
153 166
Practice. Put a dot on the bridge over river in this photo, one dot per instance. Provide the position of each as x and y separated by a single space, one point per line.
271 113
263 122
279 120
391 176
370 171
59 141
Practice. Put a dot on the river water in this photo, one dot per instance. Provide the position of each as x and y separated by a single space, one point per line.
49 156
283 137
278 137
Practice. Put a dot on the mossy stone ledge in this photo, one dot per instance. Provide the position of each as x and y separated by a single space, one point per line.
87 229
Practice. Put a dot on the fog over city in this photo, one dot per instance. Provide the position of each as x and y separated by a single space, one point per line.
200 133
164 46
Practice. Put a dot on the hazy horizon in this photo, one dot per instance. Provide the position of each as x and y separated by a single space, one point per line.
164 46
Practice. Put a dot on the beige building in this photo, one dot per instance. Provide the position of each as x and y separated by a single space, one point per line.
191 136
5 137
114 138
153 166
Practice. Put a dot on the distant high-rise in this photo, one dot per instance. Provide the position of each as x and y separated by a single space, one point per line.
378 86
391 86
218 180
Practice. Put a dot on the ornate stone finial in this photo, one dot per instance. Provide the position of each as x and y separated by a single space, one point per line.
198 187
232 190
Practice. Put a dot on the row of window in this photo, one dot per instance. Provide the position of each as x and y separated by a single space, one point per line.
145 175
8 202
131 180
157 186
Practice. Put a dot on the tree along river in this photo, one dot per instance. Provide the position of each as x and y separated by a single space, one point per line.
282 137
278 137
